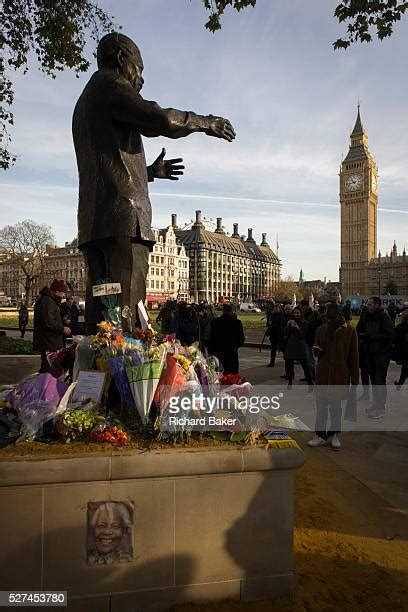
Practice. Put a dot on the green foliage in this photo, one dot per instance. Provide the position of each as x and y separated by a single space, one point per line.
56 31
15 346
364 16
217 8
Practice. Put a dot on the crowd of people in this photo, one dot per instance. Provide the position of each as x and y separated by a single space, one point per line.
220 336
335 354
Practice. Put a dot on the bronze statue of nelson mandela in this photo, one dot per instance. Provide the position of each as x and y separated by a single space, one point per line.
114 212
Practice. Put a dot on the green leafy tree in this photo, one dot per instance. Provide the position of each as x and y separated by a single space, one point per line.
363 17
56 32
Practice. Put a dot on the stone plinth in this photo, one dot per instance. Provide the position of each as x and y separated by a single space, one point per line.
209 524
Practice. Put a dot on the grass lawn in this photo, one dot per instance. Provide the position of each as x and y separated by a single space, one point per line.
15 346
9 317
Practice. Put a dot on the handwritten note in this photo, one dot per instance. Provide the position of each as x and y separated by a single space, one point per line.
89 386
106 289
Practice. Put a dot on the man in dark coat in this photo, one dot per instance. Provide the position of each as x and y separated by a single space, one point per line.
114 213
49 329
226 336
377 337
401 348
22 318
274 332
294 340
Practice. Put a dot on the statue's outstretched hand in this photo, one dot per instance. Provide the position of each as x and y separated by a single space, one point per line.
220 128
167 168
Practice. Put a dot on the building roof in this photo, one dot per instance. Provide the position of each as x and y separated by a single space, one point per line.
395 260
357 153
358 129
222 243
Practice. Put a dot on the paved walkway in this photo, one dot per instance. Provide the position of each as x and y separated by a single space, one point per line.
378 459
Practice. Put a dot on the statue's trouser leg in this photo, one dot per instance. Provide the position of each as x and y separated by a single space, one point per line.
129 267
122 261
96 266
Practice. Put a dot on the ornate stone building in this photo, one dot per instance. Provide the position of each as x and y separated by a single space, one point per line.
358 202
388 271
226 267
168 276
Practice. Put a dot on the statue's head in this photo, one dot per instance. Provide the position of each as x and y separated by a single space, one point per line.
119 53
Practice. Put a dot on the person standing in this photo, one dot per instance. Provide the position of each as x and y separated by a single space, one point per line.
66 309
205 320
22 318
226 336
49 329
187 326
314 319
393 311
295 347
363 356
378 337
287 316
274 332
336 348
401 348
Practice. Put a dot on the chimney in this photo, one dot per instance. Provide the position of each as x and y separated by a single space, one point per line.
174 221
235 233
264 243
219 229
250 238
198 221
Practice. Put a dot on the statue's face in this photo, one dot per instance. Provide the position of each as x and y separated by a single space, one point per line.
132 69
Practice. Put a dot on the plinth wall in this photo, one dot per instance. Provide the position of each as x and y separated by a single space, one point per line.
208 524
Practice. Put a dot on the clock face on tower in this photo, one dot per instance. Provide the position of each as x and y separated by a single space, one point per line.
354 182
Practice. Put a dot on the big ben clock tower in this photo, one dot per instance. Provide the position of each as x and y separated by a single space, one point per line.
358 203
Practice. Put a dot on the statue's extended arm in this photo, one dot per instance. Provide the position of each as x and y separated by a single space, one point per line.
151 120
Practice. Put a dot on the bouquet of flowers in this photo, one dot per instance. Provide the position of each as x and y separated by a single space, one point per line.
105 432
62 360
77 423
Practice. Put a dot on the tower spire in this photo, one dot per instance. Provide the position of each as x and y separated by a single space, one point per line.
358 129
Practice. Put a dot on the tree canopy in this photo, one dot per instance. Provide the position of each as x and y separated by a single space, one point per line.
56 32
363 17
26 244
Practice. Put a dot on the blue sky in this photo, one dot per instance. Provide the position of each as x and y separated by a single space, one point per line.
291 98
